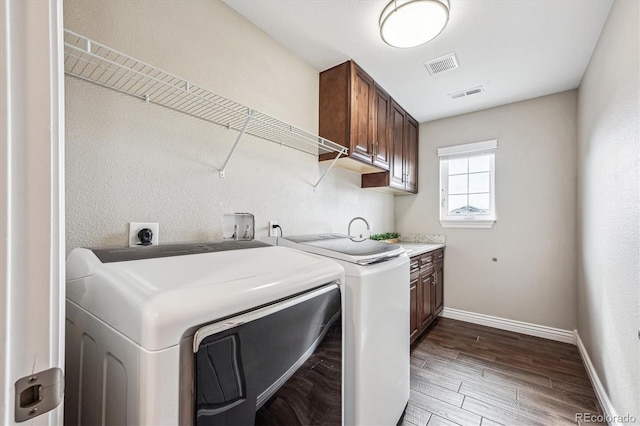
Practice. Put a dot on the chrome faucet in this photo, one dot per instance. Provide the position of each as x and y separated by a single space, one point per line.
349 228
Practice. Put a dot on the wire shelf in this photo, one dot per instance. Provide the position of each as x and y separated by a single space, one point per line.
99 64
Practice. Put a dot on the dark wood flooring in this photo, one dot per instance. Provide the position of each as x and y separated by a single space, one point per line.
467 374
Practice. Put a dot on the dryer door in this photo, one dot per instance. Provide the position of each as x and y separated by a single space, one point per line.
281 364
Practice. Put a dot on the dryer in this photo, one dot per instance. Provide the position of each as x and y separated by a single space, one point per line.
224 333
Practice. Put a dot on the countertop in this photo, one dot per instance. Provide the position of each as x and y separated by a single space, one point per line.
414 249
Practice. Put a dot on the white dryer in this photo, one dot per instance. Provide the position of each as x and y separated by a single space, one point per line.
376 311
233 333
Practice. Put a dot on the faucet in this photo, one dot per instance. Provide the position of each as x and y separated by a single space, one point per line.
349 228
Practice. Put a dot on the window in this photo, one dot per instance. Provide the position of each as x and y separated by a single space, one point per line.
467 185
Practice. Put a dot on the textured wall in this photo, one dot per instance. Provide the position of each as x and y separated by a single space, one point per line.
608 204
130 161
534 239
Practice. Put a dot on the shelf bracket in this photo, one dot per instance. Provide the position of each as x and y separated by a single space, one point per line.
235 145
333 163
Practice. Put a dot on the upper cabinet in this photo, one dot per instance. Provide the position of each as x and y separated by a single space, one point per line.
398 132
381 128
411 155
354 113
360 130
381 136
402 177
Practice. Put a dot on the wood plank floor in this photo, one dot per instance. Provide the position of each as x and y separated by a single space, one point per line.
467 374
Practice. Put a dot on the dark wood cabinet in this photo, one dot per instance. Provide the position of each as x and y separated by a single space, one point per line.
426 289
402 176
354 113
414 298
426 302
410 165
360 133
396 171
438 286
381 136
414 327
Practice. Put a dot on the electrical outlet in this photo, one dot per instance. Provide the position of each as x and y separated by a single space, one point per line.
136 227
273 232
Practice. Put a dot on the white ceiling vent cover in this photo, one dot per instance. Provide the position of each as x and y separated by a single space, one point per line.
442 64
468 92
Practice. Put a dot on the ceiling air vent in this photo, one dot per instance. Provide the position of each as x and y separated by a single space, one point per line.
442 64
466 93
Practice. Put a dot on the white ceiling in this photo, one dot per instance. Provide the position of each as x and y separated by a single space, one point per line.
516 49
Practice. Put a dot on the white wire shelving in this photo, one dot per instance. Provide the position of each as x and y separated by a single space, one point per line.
94 62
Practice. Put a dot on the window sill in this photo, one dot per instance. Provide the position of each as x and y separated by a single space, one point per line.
468 223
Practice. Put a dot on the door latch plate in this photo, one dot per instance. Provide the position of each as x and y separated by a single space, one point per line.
38 393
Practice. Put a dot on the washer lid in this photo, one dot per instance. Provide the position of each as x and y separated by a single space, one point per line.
158 301
342 247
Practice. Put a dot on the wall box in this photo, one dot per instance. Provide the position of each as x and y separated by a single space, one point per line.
238 226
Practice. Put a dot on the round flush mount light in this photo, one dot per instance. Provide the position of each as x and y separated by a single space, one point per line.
410 23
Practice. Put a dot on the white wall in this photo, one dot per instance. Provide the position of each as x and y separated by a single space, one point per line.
534 239
608 204
129 161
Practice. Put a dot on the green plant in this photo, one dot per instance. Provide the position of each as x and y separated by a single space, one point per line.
387 236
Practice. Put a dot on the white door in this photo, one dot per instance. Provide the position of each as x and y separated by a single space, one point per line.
31 212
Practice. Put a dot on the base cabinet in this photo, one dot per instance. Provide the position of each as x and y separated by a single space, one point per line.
426 301
414 327
426 289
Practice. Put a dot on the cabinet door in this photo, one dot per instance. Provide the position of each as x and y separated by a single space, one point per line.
362 92
411 155
426 300
397 127
414 324
381 131
438 296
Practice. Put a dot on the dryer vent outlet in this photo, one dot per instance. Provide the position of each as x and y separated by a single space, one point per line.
144 234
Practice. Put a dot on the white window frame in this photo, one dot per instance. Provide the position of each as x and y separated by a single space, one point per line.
467 150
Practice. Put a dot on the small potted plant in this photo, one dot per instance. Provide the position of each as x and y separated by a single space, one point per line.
389 237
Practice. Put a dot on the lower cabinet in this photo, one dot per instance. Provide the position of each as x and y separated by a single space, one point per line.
426 299
426 289
414 326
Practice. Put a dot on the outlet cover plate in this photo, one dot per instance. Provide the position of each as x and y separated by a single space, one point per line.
273 232
135 227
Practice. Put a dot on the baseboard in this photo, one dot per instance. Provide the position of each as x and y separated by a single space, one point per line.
603 398
551 333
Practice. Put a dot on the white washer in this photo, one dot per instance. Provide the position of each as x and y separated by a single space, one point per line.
140 319
376 323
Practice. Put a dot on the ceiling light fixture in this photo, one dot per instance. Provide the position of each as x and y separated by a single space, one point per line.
410 23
